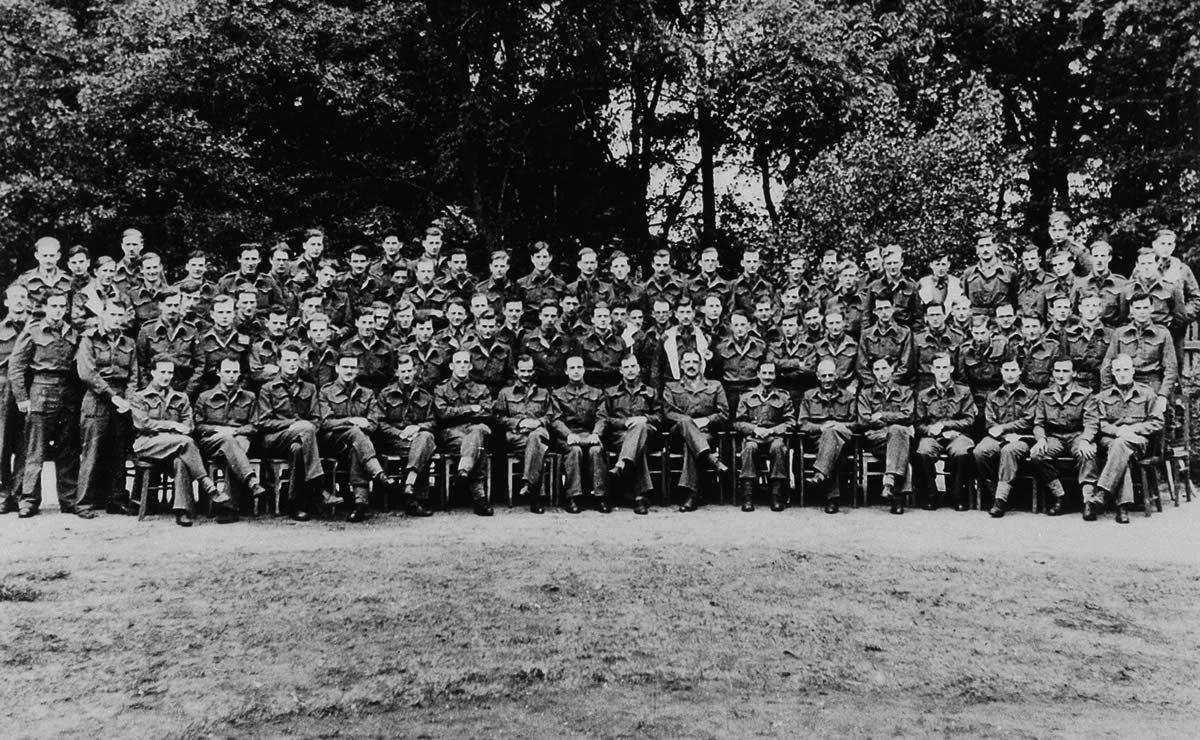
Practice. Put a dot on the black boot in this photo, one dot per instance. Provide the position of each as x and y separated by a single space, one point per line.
747 494
1122 515
572 506
689 503
778 496
1089 511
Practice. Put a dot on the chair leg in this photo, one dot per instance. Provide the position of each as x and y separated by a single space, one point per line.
1144 474
141 488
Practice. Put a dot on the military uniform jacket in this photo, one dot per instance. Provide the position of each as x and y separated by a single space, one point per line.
41 349
625 401
264 351
1031 293
491 361
819 406
1111 288
431 360
383 268
541 286
1037 361
578 409
1087 346
39 286
903 293
143 297
338 402
979 367
318 365
602 351
795 359
151 407
282 401
851 304
843 352
376 360
269 292
624 293
748 290
501 291
1118 407
699 399
217 409
894 342
1064 414
1012 408
736 362
669 287
365 288
701 286
10 329
930 343
457 286
453 396
950 405
767 408
397 406
517 402
158 339
1153 353
549 350
211 348
87 303
895 404
454 338
589 290
106 363
1166 300
988 289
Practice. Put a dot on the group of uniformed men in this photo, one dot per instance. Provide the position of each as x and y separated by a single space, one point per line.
398 357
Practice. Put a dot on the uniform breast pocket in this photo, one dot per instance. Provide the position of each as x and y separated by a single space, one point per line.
241 410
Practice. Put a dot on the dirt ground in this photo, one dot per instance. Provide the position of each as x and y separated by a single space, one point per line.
712 624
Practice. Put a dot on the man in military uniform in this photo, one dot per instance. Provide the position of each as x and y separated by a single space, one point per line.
344 406
41 371
1108 286
826 416
601 349
663 283
222 340
885 338
892 283
383 268
163 421
939 286
465 427
286 411
547 346
107 364
1125 415
628 417
1059 230
167 336
737 358
933 340
841 348
304 270
318 358
708 282
1166 299
683 336
980 359
499 287
989 282
1086 342
541 284
405 417
945 416
1036 353
264 351
195 283
1008 417
457 280
1148 344
588 287
578 429
376 359
764 418
47 277
360 285
224 418
143 292
266 288
491 359
431 358
697 409
885 414
1030 286
527 413
795 358
621 290
424 294
12 420
748 287
1058 428
87 302
130 265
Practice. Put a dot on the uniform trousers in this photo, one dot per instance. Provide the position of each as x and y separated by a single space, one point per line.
417 452
106 433
1046 471
629 444
532 445
576 458
1115 477
232 450
958 464
831 446
776 453
893 443
697 443
298 444
467 442
353 443
997 462
12 447
51 435
181 450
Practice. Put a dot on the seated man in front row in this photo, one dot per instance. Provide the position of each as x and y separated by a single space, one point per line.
945 416
628 416
764 417
578 429
345 406
527 412
1059 429
826 414
1126 416
885 414
697 409
224 422
405 417
465 407
162 420
1008 417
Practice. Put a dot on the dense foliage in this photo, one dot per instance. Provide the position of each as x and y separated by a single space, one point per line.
207 123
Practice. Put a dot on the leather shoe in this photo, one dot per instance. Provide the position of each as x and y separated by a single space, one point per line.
537 507
183 519
1056 508
416 508
227 515
9 506
689 504
832 507
572 506
777 504
1122 515
1089 512
524 491
998 509
27 512
301 516
639 507
483 508
618 470
603 506
961 506
897 504
747 505
358 513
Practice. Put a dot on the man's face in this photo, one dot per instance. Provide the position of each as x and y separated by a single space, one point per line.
525 372
162 375
1006 317
835 325
635 318
131 245
1010 373
276 324
790 298
935 317
1061 265
56 308
1062 374
874 260
1031 329
456 315
171 307
432 244
619 315
229 374
795 270
893 264
751 261
575 369
661 311
709 263
325 277
391 246
685 314
319 332
248 261
16 299
766 374
848 278
310 306
406 372
423 331
827 375
364 323
985 249
940 267
661 264
1058 232
424 273
690 365
1059 310
347 369
151 270
1030 260
359 264
587 264
941 370
289 363
383 314
961 311
763 312
1122 370
541 260
740 326
78 264
570 305
106 272
222 315
458 264
487 327
630 369
47 256
479 304
187 301
602 319
247 305
513 311
882 370
829 265
196 267
279 262
115 317
883 311
981 334
313 247
1101 258
1089 309
619 268
1147 266
1140 311
813 321
498 267
1164 245
789 327
405 315
548 316
712 309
